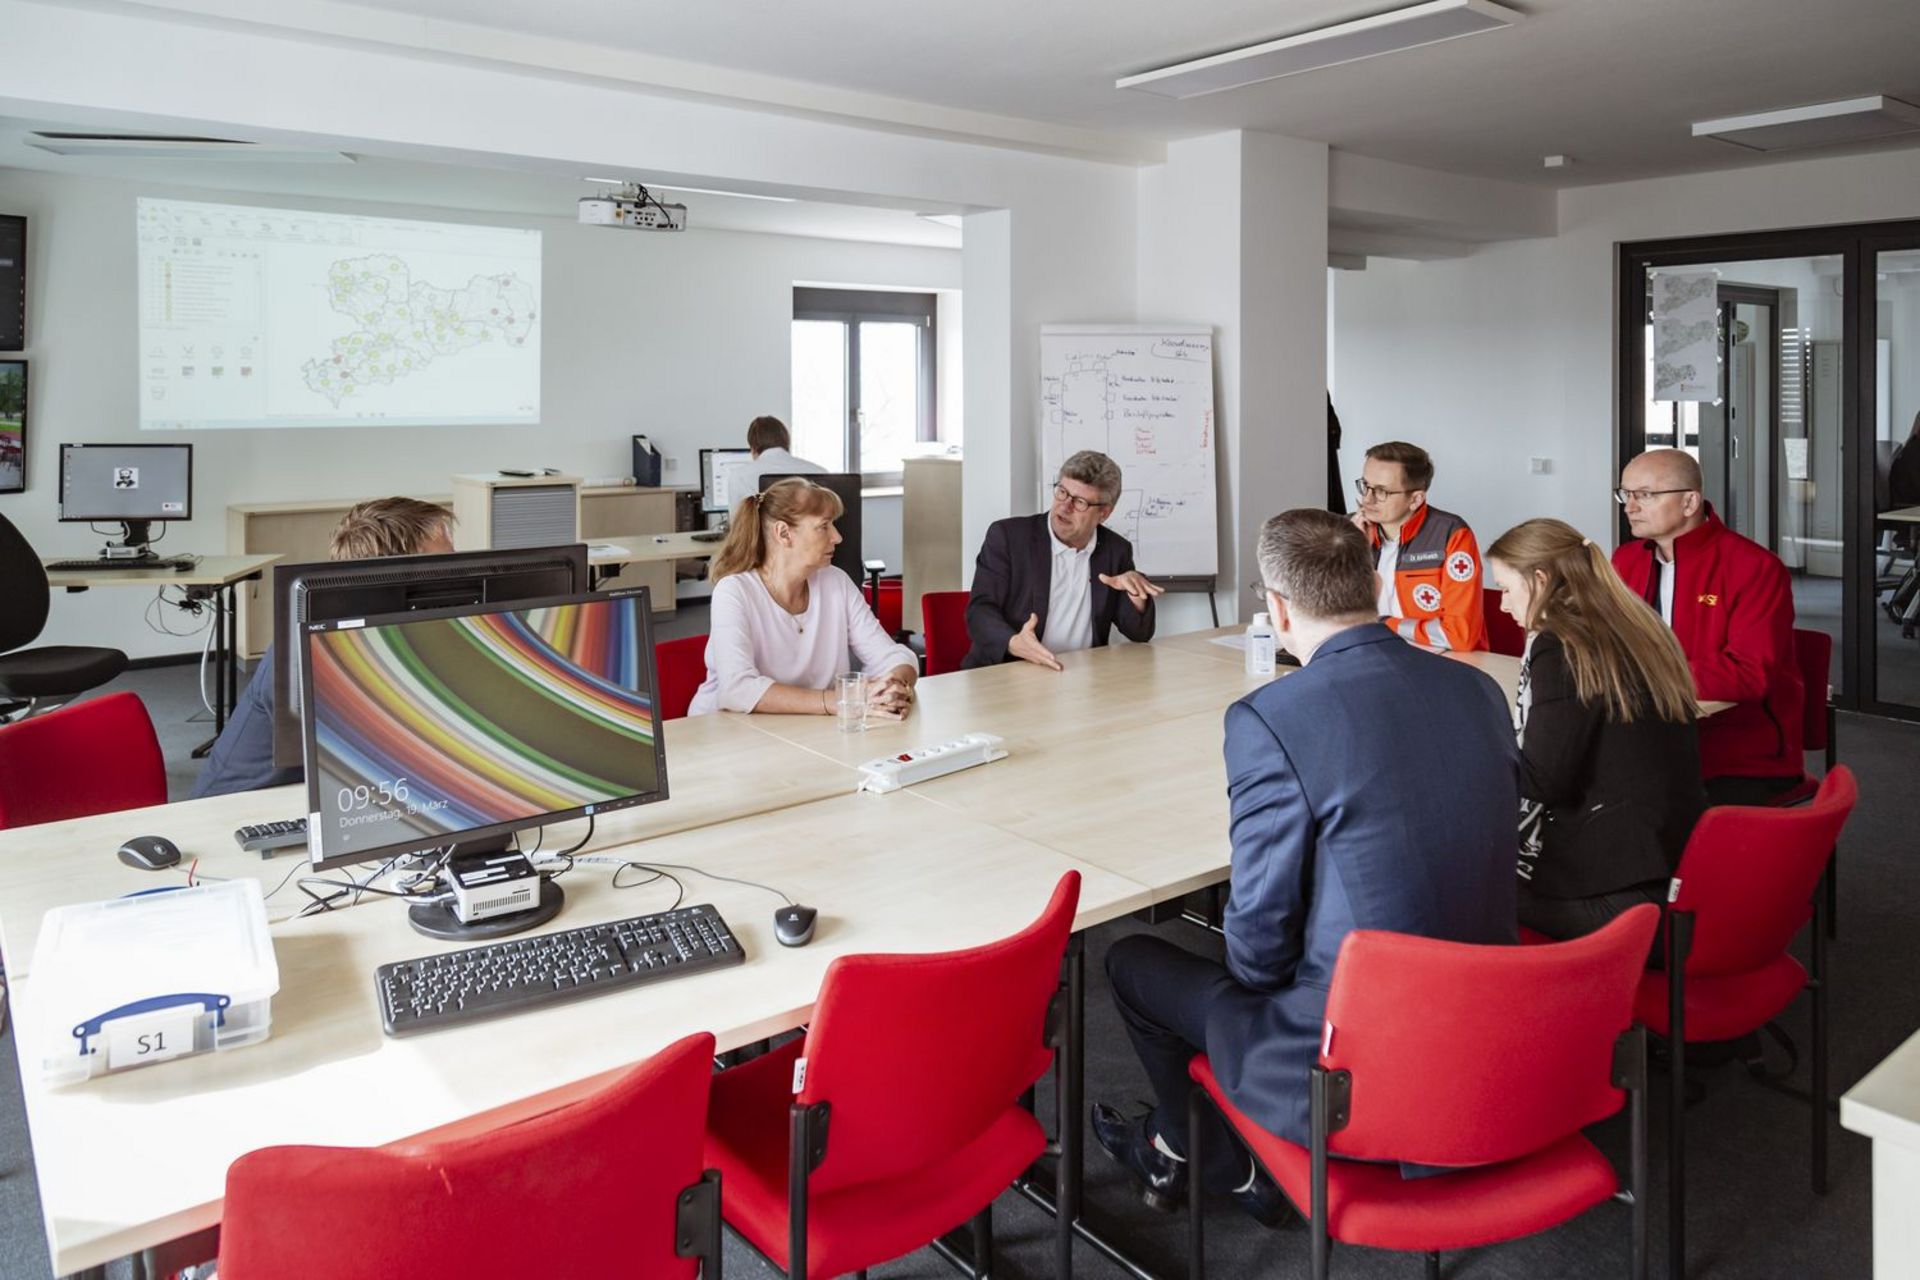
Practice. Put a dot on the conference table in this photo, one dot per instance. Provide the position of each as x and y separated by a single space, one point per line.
1114 771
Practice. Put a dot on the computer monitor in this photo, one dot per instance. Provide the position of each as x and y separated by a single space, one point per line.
846 556
320 592
134 484
451 729
726 476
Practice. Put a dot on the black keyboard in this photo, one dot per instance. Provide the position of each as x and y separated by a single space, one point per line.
459 987
267 838
178 564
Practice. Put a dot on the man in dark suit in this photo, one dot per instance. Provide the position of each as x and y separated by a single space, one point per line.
1052 583
1373 789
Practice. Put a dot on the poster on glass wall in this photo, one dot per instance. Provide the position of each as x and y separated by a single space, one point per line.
1686 346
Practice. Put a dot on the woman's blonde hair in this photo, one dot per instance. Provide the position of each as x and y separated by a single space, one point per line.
785 502
1619 650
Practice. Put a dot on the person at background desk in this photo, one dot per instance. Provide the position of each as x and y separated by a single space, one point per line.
770 443
1609 754
1730 604
783 618
1048 584
1333 829
1428 561
242 756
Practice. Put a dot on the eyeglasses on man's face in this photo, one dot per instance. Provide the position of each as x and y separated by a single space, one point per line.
1375 493
1642 496
1074 501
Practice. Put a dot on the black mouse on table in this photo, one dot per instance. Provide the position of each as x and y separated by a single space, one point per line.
793 924
150 853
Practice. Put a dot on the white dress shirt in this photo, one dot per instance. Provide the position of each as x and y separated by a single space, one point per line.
1388 606
755 643
779 462
1069 597
1665 568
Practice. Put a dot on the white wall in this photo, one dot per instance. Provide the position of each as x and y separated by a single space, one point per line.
683 337
1508 353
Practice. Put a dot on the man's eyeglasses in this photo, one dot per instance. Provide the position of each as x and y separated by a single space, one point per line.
1078 503
1643 496
1375 492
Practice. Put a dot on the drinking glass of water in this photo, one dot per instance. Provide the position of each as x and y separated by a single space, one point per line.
852 702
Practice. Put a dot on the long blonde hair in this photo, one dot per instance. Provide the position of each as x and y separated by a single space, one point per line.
1619 650
785 502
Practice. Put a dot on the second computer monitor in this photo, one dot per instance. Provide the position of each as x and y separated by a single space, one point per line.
726 476
134 484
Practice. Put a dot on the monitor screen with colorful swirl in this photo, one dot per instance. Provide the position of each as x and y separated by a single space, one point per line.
423 730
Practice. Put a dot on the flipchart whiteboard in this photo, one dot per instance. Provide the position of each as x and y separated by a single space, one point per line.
1142 395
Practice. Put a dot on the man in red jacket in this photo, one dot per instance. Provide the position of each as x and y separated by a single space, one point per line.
1730 605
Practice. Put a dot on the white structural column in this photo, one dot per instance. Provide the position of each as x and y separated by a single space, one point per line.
1233 234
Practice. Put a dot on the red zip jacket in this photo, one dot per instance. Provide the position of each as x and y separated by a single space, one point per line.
1437 581
1733 616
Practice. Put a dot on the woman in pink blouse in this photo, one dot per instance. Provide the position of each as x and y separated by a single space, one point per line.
785 620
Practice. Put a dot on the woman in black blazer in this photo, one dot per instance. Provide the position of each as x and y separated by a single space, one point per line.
1610 779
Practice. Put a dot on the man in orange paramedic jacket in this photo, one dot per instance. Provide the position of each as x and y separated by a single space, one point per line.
1730 604
1428 561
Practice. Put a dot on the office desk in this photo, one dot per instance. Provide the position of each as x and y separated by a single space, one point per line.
1885 1106
218 576
135 1159
606 557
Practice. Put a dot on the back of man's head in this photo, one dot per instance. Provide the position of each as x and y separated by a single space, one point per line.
1319 564
768 432
389 527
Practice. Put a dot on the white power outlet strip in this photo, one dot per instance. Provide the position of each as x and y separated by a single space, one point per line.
890 773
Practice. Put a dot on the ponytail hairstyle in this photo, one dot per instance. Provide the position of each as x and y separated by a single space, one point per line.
1620 652
785 502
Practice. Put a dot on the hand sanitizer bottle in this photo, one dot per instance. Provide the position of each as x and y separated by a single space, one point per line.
1260 646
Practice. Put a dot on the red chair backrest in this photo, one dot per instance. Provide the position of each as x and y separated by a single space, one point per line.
97 756
1469 1055
919 1054
890 607
1748 875
943 616
679 667
1813 654
587 1189
1504 635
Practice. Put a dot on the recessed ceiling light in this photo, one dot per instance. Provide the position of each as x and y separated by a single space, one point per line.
1391 32
1820 125
1558 162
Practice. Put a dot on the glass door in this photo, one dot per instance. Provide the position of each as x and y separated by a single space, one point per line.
1889 574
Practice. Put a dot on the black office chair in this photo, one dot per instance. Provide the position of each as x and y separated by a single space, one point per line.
56 671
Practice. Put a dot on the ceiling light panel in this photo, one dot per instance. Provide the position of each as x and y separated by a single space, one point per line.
1408 28
1823 124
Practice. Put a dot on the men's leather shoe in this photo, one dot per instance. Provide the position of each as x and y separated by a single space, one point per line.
1265 1203
1160 1179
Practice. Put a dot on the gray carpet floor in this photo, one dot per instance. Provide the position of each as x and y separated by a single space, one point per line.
1753 1213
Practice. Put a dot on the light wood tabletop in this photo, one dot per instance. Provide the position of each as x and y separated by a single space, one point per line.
212 571
649 548
1901 515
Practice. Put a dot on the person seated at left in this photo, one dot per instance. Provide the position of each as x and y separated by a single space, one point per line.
242 756
784 619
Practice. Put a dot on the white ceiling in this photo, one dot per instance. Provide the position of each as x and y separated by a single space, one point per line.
1612 83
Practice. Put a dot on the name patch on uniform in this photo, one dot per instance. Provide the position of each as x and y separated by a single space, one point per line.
1460 566
1427 596
1708 600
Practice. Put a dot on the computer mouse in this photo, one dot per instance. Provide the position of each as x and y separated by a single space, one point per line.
793 925
150 853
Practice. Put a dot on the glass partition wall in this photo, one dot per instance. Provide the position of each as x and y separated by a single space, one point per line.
1788 363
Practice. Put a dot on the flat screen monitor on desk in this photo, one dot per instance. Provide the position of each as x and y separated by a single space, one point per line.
846 556
130 484
319 592
450 729
726 476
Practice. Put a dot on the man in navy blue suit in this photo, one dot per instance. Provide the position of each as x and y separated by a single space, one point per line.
1373 789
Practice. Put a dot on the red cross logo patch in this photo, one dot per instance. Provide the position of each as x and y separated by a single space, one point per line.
1427 596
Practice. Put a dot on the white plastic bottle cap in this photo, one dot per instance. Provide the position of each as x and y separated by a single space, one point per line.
1259 619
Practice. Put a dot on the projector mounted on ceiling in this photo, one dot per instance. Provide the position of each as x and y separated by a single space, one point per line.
632 207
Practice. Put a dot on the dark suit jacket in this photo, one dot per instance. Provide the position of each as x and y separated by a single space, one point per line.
1374 789
1014 574
1621 798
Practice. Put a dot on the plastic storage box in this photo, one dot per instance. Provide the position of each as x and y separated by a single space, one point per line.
150 977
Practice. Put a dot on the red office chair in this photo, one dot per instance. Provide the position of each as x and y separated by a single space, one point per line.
1504 635
884 597
897 1118
680 666
1813 654
97 756
609 1185
1483 1058
943 617
1740 895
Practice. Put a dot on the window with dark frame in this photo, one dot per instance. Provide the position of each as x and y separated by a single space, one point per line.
863 379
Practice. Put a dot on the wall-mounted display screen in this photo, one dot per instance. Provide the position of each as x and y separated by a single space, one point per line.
13 426
13 283
255 317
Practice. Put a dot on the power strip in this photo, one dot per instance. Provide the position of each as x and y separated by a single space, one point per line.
890 773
